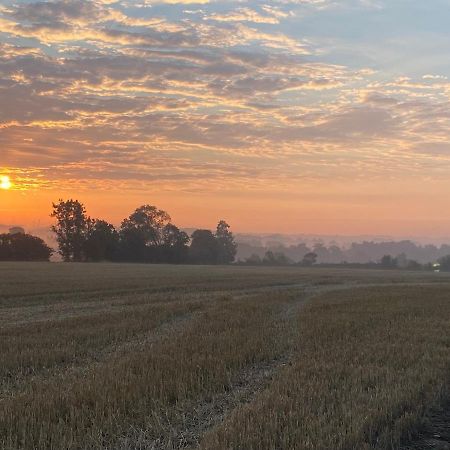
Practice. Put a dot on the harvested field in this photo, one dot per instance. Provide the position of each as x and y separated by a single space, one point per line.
111 356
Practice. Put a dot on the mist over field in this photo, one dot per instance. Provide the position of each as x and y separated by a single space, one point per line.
330 249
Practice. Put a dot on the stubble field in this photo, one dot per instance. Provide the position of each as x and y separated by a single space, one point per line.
110 356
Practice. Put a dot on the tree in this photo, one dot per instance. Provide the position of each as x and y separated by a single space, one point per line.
444 264
227 245
204 247
23 247
142 233
71 229
282 260
102 241
269 258
414 265
401 261
253 260
388 262
309 259
272 258
150 222
175 245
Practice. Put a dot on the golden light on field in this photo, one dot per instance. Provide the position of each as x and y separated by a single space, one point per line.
5 182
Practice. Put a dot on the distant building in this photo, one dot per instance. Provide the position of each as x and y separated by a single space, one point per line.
16 230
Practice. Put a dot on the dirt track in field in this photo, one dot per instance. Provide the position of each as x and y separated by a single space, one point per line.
436 432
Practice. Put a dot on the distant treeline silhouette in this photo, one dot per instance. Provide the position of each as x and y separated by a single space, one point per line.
276 258
405 253
146 236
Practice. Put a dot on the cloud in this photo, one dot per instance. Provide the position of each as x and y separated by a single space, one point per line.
245 15
434 77
181 2
99 91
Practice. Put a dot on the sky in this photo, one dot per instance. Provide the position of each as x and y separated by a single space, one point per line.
290 116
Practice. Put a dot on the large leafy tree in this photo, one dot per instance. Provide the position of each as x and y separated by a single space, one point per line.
175 245
23 247
204 247
71 229
226 243
142 234
102 241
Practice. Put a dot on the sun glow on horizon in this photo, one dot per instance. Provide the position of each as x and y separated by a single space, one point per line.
5 182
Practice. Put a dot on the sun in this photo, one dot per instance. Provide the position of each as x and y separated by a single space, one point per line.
5 182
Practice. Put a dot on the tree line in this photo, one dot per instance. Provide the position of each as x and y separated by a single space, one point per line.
277 258
146 236
252 248
149 236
